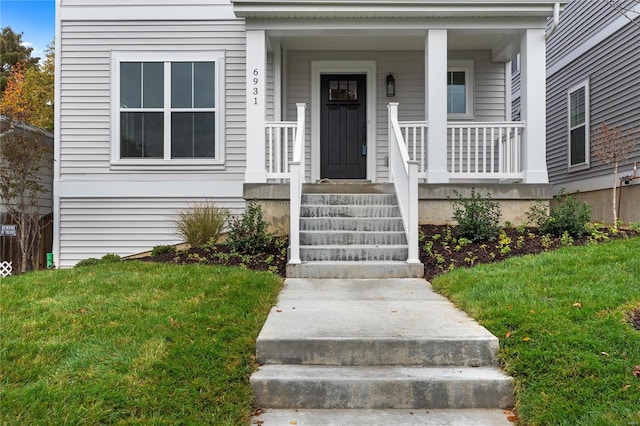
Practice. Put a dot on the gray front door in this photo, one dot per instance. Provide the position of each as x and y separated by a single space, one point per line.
343 126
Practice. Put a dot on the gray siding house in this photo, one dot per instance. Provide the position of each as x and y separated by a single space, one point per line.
166 102
593 76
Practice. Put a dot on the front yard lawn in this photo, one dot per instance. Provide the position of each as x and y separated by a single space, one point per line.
565 320
131 343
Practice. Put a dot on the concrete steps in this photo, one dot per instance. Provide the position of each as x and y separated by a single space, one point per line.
398 417
337 347
347 227
339 387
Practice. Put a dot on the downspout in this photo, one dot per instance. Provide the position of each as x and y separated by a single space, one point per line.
555 22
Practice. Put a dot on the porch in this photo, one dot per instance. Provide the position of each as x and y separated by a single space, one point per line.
408 97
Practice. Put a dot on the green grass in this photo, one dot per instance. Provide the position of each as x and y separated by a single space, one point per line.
131 343
570 347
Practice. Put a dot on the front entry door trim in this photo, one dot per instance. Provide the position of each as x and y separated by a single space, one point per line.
368 68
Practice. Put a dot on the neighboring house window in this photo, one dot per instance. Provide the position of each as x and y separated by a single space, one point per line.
167 108
578 123
460 89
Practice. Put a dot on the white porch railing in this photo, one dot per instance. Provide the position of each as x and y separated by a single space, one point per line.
415 139
280 139
297 169
485 150
403 172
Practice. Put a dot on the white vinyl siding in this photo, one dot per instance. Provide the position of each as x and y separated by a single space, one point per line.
109 210
85 127
93 227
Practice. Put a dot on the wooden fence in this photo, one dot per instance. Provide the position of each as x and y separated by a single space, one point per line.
10 250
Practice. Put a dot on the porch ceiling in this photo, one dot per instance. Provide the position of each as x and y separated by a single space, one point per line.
371 40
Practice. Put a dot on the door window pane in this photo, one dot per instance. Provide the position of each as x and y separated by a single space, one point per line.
343 90
193 135
141 134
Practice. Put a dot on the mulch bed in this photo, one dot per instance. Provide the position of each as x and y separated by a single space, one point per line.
441 249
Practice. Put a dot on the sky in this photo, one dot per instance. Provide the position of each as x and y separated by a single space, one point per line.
34 18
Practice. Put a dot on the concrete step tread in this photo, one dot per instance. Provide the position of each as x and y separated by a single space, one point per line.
345 269
392 373
381 387
406 417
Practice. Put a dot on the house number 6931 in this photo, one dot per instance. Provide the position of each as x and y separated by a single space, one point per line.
255 90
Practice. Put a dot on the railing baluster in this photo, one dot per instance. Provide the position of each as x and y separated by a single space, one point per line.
476 151
423 150
500 151
493 152
270 129
484 150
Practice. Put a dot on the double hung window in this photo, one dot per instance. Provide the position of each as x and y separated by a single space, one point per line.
578 124
167 108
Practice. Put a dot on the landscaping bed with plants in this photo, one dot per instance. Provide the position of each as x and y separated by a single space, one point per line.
477 238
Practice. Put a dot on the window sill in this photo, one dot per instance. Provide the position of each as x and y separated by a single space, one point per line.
460 117
577 167
167 165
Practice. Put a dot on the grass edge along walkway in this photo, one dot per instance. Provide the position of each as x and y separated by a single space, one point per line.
562 320
133 342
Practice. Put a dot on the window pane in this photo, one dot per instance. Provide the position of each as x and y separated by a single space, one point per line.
153 84
204 85
181 85
130 84
578 152
141 134
456 92
193 135
577 108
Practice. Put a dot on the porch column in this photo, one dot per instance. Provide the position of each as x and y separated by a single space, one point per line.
436 105
256 110
533 106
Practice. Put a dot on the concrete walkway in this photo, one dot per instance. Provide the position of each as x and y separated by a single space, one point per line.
374 352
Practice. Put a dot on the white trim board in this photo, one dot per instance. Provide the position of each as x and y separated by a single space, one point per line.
150 189
594 183
592 42
344 67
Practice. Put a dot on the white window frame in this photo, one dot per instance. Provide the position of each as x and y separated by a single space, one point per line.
167 163
587 127
467 66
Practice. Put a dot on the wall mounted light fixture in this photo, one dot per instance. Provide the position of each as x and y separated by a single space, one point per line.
391 86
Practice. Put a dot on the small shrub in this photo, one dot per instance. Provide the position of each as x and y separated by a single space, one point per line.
570 215
110 258
248 233
201 222
92 261
162 249
477 217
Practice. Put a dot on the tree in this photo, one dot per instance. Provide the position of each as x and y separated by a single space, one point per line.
38 89
21 160
612 146
13 52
